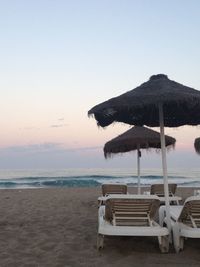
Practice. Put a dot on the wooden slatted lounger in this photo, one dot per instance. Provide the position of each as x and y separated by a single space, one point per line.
185 221
131 215
108 189
158 189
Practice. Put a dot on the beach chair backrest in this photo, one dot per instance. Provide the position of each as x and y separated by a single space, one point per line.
158 189
131 212
190 214
108 189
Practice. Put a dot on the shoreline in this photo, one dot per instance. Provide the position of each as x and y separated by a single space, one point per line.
57 227
132 188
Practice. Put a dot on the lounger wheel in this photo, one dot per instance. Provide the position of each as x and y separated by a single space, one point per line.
100 241
164 244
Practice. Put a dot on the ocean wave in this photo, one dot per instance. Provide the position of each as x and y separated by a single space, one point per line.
91 181
100 177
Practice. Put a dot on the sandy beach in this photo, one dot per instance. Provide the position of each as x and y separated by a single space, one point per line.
58 227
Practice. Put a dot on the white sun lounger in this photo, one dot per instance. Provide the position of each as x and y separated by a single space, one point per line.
110 189
113 188
158 189
185 221
131 215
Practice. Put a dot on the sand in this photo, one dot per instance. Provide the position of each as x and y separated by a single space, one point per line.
58 227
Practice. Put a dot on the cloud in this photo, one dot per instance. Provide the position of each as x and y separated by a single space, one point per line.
48 155
87 148
58 125
45 147
30 128
57 155
32 148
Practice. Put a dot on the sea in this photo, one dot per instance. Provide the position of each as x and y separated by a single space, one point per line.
45 178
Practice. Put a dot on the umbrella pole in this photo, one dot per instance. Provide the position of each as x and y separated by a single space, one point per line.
138 168
164 165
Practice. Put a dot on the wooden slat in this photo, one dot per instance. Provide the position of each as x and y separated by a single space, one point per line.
130 211
190 214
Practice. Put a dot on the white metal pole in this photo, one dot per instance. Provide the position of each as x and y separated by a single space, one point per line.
138 168
164 165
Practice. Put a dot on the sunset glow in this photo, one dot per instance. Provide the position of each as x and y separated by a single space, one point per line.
60 58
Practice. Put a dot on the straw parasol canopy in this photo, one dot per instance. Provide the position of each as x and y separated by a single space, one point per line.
136 138
181 105
197 145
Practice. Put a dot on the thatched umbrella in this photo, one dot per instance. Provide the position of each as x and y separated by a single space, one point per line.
157 102
197 145
136 138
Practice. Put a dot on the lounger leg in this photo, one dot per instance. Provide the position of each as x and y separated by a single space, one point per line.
163 243
181 242
100 241
178 241
161 215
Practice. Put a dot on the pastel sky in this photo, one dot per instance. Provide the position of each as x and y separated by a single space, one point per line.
60 58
